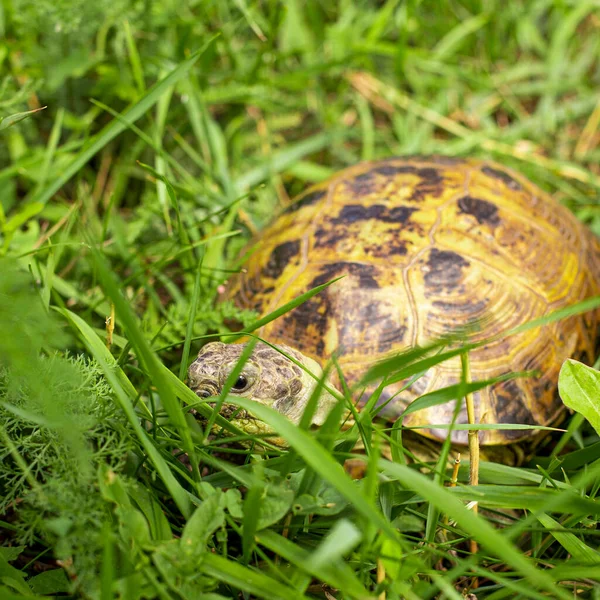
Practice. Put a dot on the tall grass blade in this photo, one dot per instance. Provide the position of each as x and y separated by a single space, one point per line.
248 580
114 128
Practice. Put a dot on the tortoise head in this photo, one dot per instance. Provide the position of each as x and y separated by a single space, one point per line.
268 377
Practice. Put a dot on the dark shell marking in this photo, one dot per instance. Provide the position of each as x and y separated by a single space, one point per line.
444 269
431 180
431 184
510 408
351 213
280 257
307 200
461 308
366 274
317 310
362 184
502 176
482 210
367 324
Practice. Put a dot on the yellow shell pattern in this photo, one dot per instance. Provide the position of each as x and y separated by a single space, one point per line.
426 244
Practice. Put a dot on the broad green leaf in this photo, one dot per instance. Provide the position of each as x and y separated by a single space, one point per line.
133 527
148 504
9 571
9 594
50 582
327 502
11 553
112 487
233 503
579 389
207 518
276 503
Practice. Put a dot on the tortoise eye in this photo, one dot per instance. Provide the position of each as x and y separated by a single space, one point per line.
245 380
241 383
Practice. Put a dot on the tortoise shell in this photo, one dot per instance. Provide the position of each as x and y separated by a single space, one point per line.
427 244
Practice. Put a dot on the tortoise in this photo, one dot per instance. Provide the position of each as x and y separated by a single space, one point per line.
424 244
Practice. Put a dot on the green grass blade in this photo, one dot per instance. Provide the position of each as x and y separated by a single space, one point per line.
189 330
145 354
533 499
252 506
569 311
452 40
341 539
397 371
580 552
385 367
11 120
282 159
114 128
336 573
452 392
185 394
231 379
134 59
248 580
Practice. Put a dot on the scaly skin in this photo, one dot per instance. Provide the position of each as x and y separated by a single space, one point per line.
268 377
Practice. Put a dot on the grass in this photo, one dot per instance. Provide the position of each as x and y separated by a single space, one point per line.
172 132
